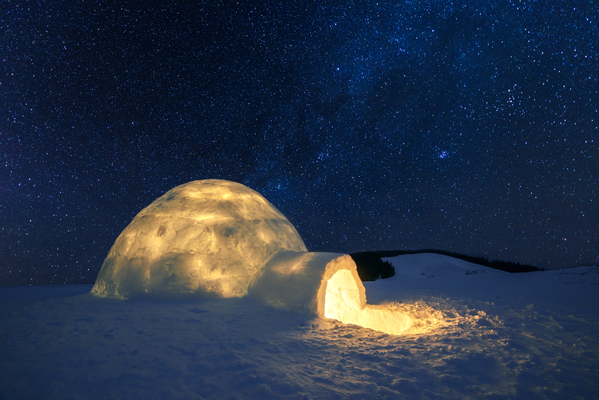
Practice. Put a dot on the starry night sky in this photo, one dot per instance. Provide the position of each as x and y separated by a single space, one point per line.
468 126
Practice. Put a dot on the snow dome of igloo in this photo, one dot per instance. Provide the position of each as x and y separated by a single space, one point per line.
204 237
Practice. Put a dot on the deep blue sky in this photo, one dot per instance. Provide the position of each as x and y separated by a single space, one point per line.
469 126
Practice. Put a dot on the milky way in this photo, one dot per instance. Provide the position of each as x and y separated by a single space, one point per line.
469 126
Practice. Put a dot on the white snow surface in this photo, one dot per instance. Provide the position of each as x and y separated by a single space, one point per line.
498 335
428 265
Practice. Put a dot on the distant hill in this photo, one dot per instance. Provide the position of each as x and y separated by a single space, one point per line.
371 266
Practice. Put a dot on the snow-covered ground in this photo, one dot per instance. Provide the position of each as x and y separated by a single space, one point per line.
478 333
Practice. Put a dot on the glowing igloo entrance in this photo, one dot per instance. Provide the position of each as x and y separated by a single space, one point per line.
325 284
342 302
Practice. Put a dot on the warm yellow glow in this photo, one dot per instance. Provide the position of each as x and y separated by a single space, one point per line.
210 218
342 303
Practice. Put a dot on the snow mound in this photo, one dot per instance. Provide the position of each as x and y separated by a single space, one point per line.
430 265
203 238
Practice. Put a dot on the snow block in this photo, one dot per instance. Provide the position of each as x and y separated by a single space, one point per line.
298 280
202 238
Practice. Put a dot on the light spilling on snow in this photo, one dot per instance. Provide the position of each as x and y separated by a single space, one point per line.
343 304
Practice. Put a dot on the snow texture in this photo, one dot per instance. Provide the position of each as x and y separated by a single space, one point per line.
201 238
503 336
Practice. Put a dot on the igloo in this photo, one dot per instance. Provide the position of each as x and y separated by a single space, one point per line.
220 238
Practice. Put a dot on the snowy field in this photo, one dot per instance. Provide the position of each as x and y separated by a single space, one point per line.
478 333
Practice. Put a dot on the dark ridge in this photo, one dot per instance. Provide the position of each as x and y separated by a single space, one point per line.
371 266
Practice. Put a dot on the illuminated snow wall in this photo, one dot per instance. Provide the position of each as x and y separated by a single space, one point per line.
203 238
220 238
